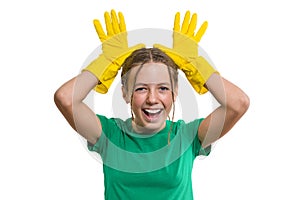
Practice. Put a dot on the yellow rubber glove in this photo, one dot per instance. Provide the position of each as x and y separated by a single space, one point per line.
185 51
114 50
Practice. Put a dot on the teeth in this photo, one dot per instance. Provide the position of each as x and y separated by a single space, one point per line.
153 111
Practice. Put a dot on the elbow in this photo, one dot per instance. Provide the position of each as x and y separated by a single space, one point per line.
241 105
245 102
63 98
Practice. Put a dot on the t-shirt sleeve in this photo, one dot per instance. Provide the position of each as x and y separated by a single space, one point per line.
197 147
108 128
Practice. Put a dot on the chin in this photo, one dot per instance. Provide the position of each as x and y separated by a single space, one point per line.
154 127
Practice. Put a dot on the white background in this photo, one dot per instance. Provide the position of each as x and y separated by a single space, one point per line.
254 44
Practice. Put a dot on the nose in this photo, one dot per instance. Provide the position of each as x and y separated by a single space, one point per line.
152 97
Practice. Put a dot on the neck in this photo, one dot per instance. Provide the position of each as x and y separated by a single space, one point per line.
143 130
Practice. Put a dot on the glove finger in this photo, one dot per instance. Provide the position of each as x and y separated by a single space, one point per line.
122 22
201 31
102 36
115 23
108 24
185 23
192 26
176 22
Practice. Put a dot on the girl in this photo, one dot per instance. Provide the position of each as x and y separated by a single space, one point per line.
148 156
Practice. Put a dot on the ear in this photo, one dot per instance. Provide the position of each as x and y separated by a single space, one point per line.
125 95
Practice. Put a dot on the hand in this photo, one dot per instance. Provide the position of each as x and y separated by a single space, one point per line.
185 51
185 41
114 50
114 43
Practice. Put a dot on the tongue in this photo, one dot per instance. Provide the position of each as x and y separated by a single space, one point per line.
153 114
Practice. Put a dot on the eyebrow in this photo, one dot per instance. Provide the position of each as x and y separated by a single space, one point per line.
144 84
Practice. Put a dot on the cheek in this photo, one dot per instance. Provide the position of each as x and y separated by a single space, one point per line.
167 101
137 100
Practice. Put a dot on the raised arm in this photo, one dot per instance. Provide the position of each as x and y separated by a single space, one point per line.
98 75
203 77
233 104
69 100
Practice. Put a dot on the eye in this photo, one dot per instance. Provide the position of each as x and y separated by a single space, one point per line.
163 88
140 89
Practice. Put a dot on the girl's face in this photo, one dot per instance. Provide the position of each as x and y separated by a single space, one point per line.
151 96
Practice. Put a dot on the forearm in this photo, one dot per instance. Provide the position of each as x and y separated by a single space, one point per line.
233 104
227 94
69 100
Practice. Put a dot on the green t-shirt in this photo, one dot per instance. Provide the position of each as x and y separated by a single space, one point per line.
138 166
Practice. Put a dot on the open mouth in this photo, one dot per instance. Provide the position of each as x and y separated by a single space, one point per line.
152 114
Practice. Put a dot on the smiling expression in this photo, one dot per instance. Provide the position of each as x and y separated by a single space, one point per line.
151 97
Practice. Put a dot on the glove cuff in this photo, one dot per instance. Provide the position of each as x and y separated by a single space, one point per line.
202 73
97 66
204 68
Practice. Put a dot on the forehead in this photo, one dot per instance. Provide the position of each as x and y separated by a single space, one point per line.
150 73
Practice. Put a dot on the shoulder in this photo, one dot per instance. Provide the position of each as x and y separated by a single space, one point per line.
185 130
113 125
110 120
